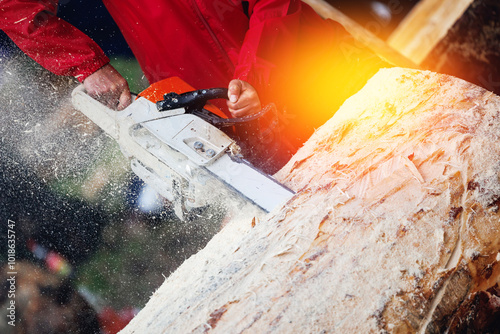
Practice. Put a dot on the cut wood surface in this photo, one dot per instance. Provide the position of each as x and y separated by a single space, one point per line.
425 26
395 223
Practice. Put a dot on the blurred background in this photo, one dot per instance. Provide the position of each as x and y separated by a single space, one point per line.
92 243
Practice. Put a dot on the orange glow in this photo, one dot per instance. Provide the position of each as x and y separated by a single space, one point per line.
323 76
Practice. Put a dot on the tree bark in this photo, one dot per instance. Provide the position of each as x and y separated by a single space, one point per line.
394 224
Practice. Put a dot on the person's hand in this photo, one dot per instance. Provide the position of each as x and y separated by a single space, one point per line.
109 87
243 99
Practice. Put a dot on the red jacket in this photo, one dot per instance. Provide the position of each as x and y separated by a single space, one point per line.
206 43
282 47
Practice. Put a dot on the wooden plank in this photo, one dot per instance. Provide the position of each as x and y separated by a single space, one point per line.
471 48
425 26
361 34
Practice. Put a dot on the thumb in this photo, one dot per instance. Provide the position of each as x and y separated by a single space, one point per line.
234 90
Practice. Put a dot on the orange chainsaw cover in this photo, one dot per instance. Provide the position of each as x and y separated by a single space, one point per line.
155 92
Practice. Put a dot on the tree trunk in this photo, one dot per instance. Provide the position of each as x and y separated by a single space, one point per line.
394 224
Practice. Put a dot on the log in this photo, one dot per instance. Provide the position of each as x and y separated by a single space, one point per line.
394 224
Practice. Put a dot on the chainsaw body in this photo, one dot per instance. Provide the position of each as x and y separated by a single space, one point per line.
178 152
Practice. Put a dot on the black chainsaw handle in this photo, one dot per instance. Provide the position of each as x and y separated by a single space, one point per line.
191 101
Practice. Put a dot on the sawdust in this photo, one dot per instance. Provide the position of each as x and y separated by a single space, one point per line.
39 124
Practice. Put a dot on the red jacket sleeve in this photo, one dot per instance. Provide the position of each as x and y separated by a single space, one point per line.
50 41
273 25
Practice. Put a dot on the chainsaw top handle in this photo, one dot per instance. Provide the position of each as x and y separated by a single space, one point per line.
193 102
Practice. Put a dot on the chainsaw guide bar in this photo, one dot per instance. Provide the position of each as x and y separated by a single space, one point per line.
187 160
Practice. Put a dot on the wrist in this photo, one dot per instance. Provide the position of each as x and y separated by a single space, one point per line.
90 67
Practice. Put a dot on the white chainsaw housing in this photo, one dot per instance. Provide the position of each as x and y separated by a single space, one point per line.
185 159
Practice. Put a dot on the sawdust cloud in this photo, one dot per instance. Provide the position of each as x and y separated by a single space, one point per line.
39 125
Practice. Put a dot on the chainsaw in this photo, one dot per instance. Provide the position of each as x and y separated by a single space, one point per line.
181 145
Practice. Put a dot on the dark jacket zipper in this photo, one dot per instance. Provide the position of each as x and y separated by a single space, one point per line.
213 36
